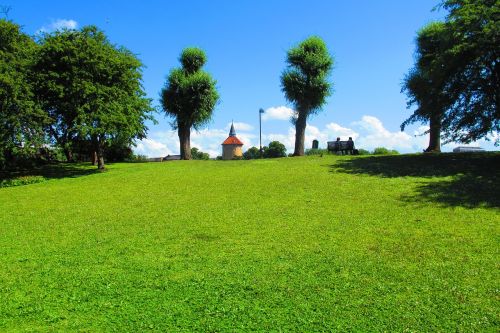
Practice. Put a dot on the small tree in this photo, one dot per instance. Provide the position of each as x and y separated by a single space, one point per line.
305 83
189 96
274 150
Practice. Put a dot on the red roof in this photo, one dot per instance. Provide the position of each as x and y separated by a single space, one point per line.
232 140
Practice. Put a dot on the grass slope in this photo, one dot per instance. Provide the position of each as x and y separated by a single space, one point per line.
399 243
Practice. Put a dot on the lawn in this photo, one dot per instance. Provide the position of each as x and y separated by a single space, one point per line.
392 243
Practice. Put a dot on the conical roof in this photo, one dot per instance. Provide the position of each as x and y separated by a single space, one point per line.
232 132
232 139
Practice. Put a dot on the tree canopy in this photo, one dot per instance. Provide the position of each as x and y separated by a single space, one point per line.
189 96
305 83
21 118
456 76
426 83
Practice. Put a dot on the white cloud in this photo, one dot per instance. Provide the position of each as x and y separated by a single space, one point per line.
278 113
58 24
152 148
338 131
240 127
373 134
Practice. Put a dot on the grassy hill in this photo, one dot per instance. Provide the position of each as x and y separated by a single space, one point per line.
396 243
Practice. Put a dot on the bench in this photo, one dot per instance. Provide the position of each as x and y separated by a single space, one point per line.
342 147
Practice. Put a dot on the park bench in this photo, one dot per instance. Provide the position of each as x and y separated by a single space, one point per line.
342 147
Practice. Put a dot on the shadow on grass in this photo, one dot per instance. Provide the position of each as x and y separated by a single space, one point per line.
53 171
472 180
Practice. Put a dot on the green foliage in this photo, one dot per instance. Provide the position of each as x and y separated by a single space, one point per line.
21 118
302 245
138 158
384 151
305 82
455 78
252 153
475 84
189 97
193 59
91 89
274 150
424 84
199 155
312 152
23 180
363 152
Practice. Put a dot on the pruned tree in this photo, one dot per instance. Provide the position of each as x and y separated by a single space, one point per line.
189 96
91 89
306 84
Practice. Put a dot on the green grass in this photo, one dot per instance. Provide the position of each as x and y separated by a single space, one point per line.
393 243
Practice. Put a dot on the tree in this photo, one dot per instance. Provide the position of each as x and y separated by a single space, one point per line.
189 96
91 89
252 153
475 84
427 83
274 150
305 83
21 118
455 82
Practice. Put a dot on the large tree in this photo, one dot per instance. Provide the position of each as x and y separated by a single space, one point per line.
426 85
91 89
189 96
475 84
21 118
305 83
455 81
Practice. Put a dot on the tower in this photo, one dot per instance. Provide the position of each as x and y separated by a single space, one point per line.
231 147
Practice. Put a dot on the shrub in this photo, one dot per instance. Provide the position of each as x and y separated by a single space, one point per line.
363 152
311 152
275 149
23 180
251 153
384 151
137 158
199 155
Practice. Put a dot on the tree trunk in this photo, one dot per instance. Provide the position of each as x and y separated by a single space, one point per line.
434 134
69 154
185 141
93 157
99 150
300 130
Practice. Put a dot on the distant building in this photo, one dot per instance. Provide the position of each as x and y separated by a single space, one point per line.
231 147
465 149
172 158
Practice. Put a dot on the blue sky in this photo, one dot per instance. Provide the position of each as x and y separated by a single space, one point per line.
246 43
